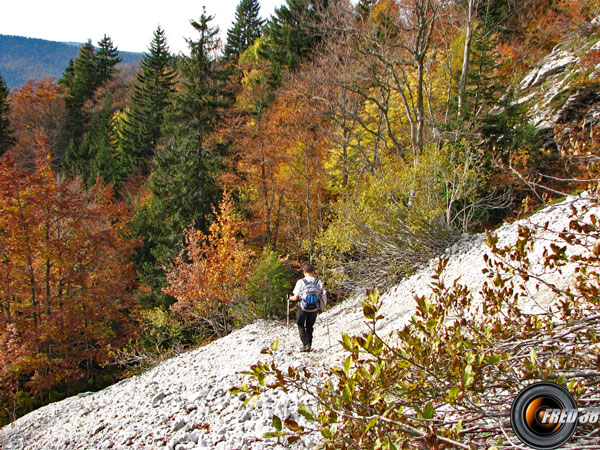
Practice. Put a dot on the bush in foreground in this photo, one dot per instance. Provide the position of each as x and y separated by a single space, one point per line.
447 379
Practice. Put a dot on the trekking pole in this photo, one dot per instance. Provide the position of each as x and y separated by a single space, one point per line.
287 325
328 333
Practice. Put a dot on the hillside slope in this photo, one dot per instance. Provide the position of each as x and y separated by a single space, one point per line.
183 403
24 58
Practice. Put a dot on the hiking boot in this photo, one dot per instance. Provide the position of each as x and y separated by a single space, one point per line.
305 348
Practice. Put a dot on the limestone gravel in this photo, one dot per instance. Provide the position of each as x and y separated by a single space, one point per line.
183 403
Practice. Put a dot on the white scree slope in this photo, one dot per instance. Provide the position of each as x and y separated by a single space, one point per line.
183 402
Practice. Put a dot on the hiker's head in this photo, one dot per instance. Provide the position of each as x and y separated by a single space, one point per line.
308 269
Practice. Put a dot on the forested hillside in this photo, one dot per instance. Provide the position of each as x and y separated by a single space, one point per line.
23 59
144 215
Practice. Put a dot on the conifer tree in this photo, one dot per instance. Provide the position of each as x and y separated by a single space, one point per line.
85 77
292 34
79 81
66 81
150 96
6 139
245 30
107 57
204 96
91 69
183 182
101 146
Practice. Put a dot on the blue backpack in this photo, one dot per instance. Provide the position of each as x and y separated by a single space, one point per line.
310 295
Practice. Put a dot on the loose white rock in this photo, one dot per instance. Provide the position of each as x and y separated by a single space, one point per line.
153 410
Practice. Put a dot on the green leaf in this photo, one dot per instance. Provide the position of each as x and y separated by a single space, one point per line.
275 345
368 311
372 422
368 342
452 394
347 393
346 342
491 239
306 412
498 280
277 423
252 401
347 364
376 399
428 412
468 375
534 357
271 435
495 359
326 433
458 426
238 389
377 370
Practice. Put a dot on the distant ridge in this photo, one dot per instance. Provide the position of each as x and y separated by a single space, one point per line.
24 58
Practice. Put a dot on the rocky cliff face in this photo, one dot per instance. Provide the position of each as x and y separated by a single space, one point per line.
563 91
183 403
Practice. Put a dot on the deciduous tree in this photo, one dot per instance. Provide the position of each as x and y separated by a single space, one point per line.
209 276
37 110
67 279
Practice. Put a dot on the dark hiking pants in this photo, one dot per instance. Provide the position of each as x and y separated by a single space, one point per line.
306 321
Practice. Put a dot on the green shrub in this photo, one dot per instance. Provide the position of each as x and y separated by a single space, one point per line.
269 284
161 330
447 379
400 217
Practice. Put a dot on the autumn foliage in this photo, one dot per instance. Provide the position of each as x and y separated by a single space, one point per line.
36 109
66 280
363 136
209 276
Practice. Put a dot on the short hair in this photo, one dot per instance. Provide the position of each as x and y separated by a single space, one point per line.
308 268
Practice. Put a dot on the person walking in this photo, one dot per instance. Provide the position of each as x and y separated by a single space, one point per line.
311 298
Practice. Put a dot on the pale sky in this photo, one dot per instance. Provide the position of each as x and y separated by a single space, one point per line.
129 23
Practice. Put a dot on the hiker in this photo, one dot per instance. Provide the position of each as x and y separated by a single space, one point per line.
311 298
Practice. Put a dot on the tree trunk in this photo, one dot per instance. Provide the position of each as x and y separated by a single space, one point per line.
307 178
466 56
420 104
268 207
277 222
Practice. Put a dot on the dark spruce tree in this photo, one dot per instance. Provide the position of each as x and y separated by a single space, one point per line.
6 138
150 96
79 82
183 182
91 69
291 35
204 95
66 81
100 144
246 29
107 57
